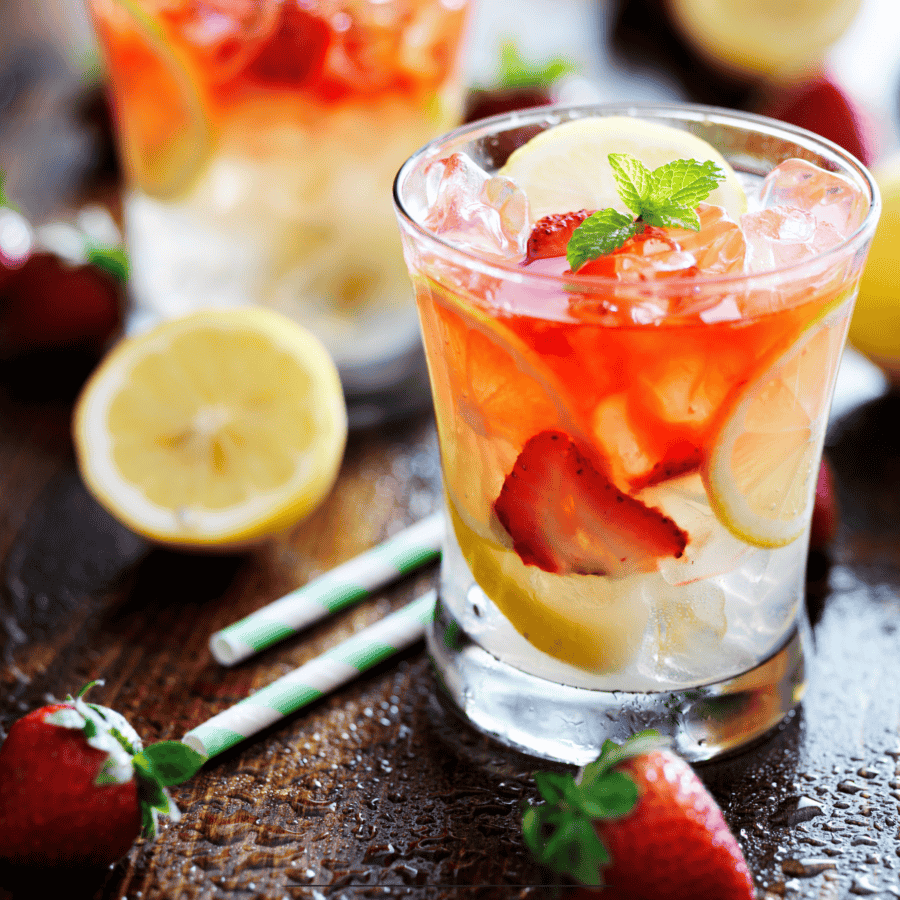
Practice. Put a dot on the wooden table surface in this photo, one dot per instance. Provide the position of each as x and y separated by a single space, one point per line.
372 791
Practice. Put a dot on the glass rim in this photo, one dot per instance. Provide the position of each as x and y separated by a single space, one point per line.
845 163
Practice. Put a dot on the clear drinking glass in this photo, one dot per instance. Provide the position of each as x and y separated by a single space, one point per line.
260 140
629 465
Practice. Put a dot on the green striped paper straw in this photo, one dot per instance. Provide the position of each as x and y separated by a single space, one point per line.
349 582
313 679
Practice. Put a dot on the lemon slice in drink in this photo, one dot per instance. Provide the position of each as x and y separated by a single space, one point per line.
761 473
215 430
162 124
565 168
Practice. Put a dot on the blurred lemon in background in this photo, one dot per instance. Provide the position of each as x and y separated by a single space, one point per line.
875 327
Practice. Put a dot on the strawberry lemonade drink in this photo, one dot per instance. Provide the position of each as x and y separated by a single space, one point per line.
633 321
260 139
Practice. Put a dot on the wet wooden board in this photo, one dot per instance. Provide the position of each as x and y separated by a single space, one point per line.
373 788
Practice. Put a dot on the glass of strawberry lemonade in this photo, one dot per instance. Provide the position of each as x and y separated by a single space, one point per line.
633 320
260 139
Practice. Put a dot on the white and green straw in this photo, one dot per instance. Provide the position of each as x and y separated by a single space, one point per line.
313 679
357 578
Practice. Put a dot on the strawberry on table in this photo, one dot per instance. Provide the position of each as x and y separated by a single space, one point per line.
639 821
77 788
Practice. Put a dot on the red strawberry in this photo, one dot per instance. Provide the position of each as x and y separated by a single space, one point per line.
550 235
296 50
76 789
681 458
825 510
566 517
48 303
640 821
821 106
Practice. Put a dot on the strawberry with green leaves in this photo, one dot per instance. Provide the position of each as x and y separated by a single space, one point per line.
77 788
639 821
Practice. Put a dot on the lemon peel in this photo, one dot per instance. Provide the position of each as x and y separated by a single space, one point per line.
760 474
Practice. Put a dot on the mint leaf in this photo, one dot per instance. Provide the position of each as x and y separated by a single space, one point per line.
170 762
634 179
667 197
517 72
597 235
685 182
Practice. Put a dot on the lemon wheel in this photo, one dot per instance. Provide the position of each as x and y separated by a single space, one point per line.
761 473
565 168
215 430
163 128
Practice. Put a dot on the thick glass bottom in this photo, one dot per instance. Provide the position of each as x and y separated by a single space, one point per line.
569 724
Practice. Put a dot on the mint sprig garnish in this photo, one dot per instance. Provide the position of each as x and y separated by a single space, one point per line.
560 831
666 197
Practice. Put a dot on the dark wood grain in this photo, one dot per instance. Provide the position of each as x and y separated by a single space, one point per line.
376 787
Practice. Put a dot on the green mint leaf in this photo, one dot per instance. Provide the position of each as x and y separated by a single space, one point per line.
667 197
597 235
634 179
113 260
170 762
670 216
552 786
685 182
517 72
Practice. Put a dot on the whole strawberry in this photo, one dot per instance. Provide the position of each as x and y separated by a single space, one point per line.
639 821
77 789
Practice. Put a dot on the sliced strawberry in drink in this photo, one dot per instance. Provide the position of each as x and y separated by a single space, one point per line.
295 52
550 235
566 517
682 458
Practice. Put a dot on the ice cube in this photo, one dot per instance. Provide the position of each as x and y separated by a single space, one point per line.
685 634
474 210
225 34
783 235
829 198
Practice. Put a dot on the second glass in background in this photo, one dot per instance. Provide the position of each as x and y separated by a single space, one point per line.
260 141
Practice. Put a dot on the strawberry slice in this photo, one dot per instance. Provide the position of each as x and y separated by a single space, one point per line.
295 52
681 458
566 517
550 235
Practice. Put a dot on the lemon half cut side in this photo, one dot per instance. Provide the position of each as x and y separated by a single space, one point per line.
761 473
215 430
566 167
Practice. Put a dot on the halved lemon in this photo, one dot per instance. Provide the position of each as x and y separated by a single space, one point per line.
761 473
565 168
163 128
215 430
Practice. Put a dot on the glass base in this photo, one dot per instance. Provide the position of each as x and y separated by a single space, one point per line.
569 725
